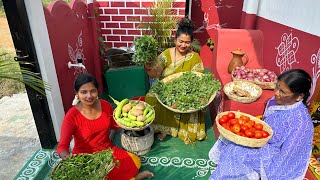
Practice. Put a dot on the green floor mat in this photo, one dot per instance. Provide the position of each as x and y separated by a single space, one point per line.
171 159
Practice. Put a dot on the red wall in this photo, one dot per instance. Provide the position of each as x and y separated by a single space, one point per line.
71 36
301 49
209 15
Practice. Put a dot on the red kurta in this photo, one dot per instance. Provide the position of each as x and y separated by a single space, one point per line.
92 136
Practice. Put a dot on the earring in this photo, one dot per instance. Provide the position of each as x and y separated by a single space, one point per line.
75 100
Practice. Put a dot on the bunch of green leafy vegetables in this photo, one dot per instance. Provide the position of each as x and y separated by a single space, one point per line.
94 166
146 50
188 92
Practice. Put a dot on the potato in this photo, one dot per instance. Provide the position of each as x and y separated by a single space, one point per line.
141 118
126 108
140 106
136 112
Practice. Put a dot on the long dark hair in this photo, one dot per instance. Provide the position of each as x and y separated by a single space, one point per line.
185 26
84 79
298 81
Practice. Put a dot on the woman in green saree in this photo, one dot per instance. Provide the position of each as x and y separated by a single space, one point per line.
189 127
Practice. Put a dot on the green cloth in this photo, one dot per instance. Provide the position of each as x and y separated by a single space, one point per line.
168 159
172 159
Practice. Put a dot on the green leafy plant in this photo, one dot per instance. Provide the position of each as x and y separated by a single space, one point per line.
210 43
162 23
146 50
86 166
10 70
196 46
187 92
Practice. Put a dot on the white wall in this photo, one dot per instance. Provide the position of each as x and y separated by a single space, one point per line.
303 15
45 58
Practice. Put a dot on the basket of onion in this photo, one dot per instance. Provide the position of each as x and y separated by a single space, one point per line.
262 77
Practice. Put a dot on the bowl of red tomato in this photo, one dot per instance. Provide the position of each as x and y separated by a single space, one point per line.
243 129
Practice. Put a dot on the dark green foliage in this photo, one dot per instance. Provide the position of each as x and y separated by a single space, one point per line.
85 166
187 92
146 50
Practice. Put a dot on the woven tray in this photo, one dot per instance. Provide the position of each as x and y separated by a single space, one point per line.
263 85
175 76
135 128
254 90
244 141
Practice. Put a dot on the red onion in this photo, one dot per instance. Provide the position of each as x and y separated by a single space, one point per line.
265 77
261 74
267 80
250 75
264 70
272 76
242 67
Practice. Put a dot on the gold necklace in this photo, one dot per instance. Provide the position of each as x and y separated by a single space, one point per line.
175 58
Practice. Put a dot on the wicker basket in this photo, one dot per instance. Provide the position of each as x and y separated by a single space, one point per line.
135 128
244 141
263 85
175 76
138 145
254 90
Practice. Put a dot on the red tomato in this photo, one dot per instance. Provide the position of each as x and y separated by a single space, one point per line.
265 134
233 122
228 128
248 133
252 122
231 115
236 128
252 130
243 128
245 118
258 134
249 125
240 134
241 121
258 126
225 116
223 120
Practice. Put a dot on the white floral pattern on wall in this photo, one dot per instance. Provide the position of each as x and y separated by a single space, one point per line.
77 54
287 52
315 60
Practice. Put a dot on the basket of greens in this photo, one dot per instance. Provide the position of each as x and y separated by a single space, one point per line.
186 92
85 166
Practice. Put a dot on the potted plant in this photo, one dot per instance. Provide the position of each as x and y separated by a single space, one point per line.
162 23
146 50
146 53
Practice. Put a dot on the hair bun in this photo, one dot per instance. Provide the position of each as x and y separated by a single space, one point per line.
186 22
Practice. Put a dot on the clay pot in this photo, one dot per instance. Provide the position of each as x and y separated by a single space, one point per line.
236 60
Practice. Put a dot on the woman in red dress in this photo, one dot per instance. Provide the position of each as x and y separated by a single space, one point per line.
89 123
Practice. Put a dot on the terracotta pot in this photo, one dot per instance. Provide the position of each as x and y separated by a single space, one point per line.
236 60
